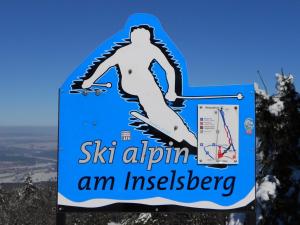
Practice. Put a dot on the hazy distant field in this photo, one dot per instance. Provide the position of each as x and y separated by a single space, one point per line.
27 150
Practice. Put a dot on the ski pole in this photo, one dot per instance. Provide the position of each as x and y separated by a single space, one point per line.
108 85
239 96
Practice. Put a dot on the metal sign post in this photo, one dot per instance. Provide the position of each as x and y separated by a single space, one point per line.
133 136
60 218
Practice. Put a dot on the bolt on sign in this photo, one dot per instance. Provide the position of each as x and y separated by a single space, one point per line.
134 135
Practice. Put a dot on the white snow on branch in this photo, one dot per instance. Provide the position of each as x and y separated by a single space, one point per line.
267 189
282 82
277 107
236 219
143 218
260 92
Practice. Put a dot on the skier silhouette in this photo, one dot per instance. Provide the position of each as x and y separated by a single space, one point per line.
133 61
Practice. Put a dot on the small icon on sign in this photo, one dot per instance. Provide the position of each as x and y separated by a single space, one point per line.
249 125
125 135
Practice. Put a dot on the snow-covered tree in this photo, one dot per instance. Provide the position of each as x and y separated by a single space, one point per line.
278 154
28 205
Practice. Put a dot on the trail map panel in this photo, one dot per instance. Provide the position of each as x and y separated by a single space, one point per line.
218 134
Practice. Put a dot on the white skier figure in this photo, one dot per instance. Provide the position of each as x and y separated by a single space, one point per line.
134 60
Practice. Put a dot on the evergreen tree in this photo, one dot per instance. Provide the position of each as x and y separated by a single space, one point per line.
287 157
4 212
278 154
29 205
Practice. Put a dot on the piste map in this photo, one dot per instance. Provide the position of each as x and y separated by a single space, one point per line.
218 140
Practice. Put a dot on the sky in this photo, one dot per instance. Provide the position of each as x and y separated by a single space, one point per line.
223 42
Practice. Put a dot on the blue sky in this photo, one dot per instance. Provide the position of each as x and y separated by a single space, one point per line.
224 42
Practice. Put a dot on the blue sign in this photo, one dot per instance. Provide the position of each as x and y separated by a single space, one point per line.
131 130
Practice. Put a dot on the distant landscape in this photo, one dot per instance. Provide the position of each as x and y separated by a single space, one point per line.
28 151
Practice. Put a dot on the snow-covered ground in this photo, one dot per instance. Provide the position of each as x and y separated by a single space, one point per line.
27 151
37 176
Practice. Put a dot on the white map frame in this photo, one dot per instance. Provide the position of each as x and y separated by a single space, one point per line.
218 134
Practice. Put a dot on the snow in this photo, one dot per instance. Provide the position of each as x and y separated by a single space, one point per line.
38 172
113 223
277 107
259 155
143 218
281 86
44 176
267 189
236 219
260 91
282 82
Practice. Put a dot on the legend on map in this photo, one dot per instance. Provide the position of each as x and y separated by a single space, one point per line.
218 134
